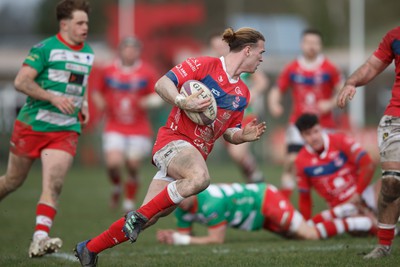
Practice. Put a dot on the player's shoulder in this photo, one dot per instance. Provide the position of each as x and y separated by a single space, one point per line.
328 63
47 43
341 139
395 32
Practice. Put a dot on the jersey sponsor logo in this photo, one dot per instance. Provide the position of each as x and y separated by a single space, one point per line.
76 78
194 63
77 67
181 70
330 167
236 102
32 57
66 55
215 92
205 133
201 145
55 118
238 91
74 89
39 45
77 100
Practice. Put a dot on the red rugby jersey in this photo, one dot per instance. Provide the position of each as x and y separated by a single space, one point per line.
232 97
123 88
310 84
333 173
387 51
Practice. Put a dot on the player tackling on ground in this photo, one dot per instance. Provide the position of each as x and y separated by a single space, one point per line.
388 136
251 207
182 146
54 76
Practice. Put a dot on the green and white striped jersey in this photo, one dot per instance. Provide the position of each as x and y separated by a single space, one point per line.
237 205
61 71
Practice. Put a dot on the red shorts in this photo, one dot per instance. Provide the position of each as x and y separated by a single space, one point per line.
28 143
277 210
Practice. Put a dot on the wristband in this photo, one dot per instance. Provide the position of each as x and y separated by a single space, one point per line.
180 239
85 104
178 100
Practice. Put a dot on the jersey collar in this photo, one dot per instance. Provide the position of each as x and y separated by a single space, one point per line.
307 65
73 47
231 80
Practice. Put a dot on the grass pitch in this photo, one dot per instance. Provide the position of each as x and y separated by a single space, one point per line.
84 213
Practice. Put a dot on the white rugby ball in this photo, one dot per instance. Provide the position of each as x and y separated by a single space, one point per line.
202 118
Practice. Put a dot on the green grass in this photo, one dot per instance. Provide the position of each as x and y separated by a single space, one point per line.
84 213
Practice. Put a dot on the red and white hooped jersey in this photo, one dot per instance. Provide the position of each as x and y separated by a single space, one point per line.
310 83
333 173
387 51
232 97
123 88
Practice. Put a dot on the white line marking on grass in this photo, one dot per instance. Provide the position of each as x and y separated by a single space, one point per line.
64 256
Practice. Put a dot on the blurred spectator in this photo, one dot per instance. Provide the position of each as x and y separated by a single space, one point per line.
124 90
313 81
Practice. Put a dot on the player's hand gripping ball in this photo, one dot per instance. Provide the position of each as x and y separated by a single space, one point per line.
202 118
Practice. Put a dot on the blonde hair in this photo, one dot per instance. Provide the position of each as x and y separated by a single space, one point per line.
241 38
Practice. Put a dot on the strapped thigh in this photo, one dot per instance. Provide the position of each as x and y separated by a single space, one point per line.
391 173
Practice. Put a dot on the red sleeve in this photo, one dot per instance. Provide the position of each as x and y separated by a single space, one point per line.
336 75
283 80
152 79
384 51
359 157
305 203
303 185
97 79
365 173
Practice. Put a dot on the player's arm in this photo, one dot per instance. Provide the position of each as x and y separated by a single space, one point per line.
305 204
251 132
275 102
325 106
364 74
167 90
305 199
85 109
365 171
216 235
25 83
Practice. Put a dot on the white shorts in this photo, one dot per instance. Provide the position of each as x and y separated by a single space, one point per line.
369 197
294 141
162 158
389 138
135 147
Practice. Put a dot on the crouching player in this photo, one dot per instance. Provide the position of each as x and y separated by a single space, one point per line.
250 207
338 168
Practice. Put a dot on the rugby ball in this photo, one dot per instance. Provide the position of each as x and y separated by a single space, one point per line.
202 118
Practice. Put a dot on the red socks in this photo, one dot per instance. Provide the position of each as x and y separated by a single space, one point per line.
44 219
159 203
331 228
131 187
385 236
109 238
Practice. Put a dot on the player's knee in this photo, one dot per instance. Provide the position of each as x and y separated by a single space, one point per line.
199 181
390 190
